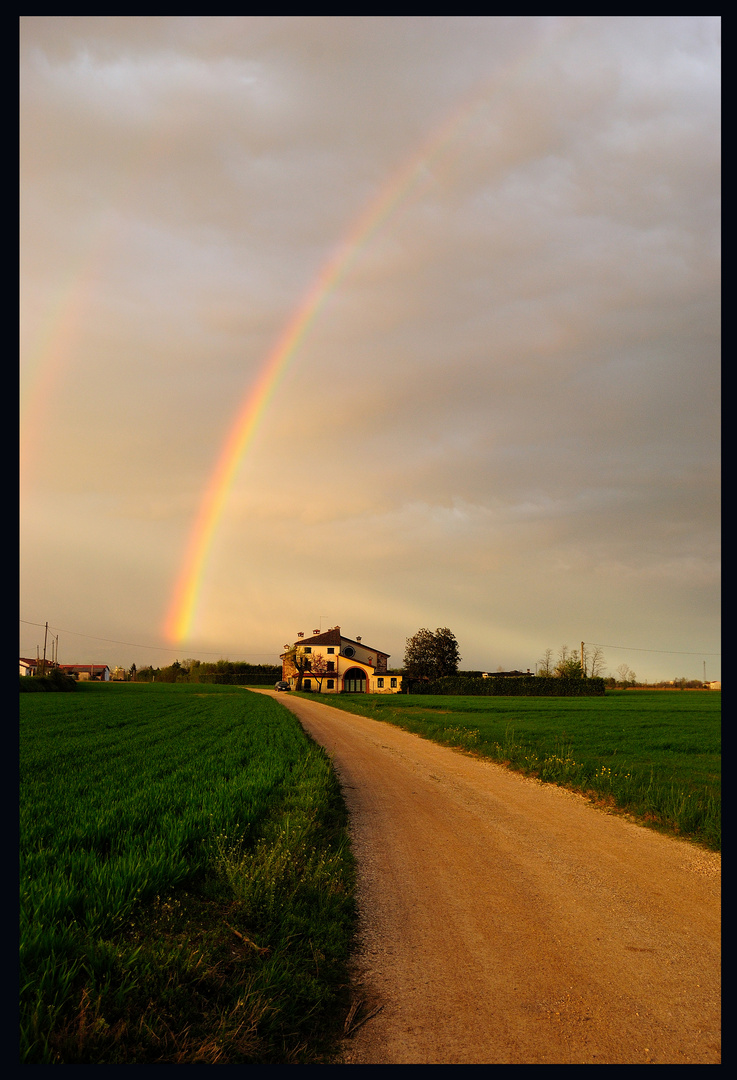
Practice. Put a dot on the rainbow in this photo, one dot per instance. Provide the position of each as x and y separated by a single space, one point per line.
184 601
408 178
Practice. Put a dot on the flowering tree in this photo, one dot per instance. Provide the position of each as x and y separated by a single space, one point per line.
319 668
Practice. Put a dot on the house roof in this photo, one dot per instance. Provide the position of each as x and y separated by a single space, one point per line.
334 637
330 637
83 667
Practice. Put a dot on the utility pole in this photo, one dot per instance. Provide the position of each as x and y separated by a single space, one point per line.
583 669
46 633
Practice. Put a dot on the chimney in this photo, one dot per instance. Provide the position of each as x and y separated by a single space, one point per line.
301 633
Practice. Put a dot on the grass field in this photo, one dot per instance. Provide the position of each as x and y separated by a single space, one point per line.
186 880
654 754
187 888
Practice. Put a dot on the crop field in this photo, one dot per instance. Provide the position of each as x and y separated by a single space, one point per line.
185 876
654 754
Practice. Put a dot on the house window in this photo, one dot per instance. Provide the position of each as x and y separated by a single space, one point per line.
380 684
354 681
331 665
331 652
394 682
308 648
331 684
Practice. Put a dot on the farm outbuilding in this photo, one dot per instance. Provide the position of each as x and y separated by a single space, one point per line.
84 672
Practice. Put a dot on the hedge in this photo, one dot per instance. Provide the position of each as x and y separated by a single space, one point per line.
508 686
244 678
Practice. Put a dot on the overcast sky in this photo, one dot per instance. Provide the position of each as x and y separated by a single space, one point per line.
503 417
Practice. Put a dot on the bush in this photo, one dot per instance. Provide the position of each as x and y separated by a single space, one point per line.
55 680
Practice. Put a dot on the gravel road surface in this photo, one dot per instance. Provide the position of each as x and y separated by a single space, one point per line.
504 921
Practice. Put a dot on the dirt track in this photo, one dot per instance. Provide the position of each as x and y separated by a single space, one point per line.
505 921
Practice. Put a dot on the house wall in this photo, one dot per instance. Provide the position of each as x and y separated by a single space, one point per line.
373 665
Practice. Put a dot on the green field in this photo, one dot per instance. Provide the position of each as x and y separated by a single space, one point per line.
186 880
187 888
655 754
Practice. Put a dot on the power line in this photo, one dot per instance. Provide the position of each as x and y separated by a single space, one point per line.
131 644
669 652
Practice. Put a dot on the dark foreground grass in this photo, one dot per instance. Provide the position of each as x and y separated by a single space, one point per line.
186 880
653 754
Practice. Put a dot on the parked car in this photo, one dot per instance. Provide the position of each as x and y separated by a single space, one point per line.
281 685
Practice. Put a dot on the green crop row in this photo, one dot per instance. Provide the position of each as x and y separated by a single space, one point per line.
186 882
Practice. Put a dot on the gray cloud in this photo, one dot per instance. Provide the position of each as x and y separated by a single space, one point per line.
504 416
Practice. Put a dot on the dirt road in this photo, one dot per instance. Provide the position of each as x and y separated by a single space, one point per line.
504 921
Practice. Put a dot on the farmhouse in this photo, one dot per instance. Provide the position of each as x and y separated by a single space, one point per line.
84 672
334 664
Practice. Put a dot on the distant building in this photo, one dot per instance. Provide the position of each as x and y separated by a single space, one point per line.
85 672
350 666
714 685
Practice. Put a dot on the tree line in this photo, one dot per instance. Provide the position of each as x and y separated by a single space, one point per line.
195 671
570 664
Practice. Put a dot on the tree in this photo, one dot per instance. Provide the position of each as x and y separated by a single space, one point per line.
319 668
170 674
594 662
545 664
431 655
626 675
299 660
569 665
447 656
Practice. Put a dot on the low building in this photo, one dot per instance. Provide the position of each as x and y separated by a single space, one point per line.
85 672
334 664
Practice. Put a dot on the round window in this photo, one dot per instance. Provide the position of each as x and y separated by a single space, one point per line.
349 651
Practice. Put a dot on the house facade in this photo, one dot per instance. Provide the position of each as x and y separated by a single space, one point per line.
335 664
